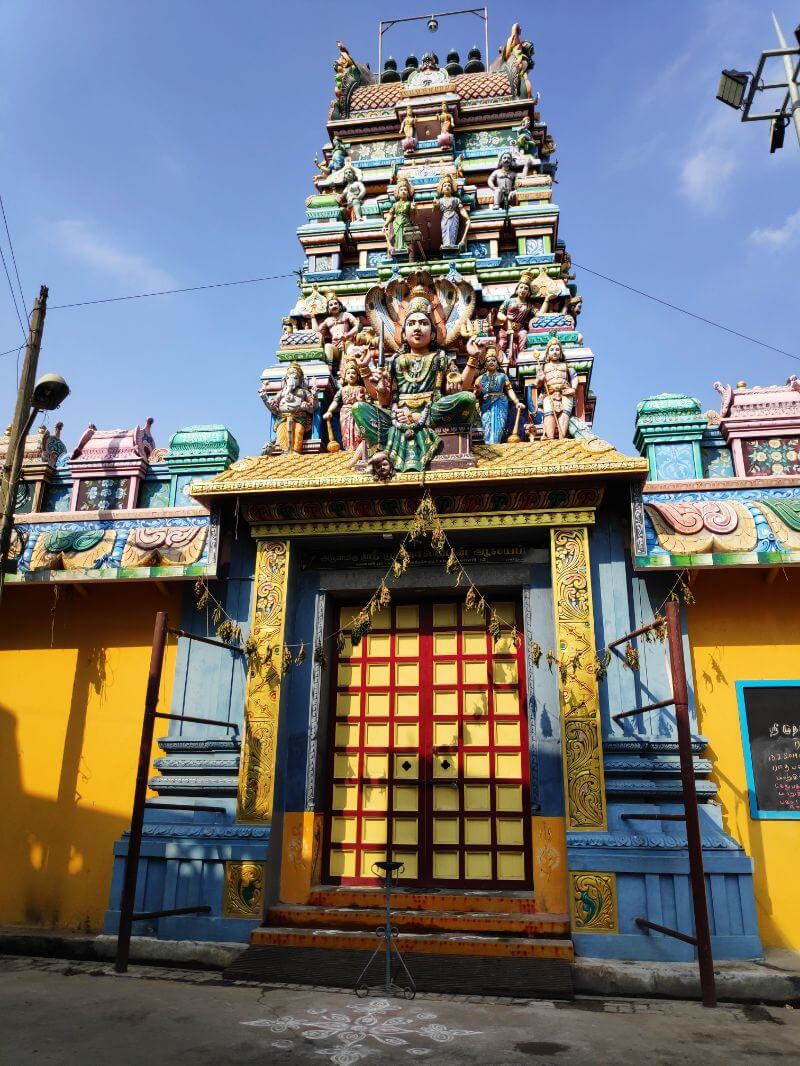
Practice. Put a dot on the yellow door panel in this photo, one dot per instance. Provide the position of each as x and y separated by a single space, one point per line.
347 734
476 764
445 734
476 703
406 735
477 831
376 766
445 766
445 830
473 618
410 871
379 645
445 864
405 831
445 614
407 704
382 619
507 734
376 735
507 764
406 674
345 797
378 674
378 704
506 702
445 644
348 616
473 643
406 645
406 766
445 798
476 734
445 673
477 798
504 645
373 830
348 704
345 765
509 831
368 859
342 863
506 612
406 798
478 864
508 797
510 865
343 830
348 674
475 673
407 617
505 673
445 702
375 797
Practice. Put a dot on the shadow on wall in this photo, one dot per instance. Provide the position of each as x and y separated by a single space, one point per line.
46 843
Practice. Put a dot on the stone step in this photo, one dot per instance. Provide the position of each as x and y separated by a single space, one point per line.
415 943
420 900
480 975
420 921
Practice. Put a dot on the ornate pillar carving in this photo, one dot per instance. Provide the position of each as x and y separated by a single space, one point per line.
262 703
581 739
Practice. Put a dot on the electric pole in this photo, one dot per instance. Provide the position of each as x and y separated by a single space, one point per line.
24 414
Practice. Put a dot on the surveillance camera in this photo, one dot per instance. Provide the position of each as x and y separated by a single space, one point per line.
433 24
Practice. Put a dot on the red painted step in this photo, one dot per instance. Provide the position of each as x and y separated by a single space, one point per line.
412 899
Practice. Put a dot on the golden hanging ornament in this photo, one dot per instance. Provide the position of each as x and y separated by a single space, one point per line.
536 653
631 657
301 655
452 563
320 657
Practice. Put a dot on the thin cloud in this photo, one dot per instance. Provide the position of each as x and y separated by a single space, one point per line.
80 241
705 173
778 236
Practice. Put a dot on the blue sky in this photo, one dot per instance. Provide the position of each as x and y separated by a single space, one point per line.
150 145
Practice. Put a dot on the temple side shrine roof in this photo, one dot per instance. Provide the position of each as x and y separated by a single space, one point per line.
499 462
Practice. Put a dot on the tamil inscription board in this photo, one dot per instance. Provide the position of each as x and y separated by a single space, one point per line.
770 720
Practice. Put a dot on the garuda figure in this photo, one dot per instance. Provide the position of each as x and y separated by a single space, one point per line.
413 399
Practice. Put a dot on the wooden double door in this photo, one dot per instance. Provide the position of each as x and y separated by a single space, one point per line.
429 751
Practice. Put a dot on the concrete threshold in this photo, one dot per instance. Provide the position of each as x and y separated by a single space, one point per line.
773 980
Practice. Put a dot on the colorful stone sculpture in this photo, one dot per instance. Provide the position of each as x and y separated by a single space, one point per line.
502 181
347 395
409 130
336 329
415 403
557 383
513 318
495 392
398 223
445 138
353 193
292 409
452 212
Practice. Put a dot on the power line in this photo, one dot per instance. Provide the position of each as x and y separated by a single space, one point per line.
691 314
171 292
13 256
11 290
10 351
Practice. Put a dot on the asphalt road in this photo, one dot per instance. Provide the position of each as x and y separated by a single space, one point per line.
55 1012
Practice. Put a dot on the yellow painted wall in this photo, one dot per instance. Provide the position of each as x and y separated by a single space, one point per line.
73 672
743 627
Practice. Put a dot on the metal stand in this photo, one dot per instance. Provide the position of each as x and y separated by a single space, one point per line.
390 871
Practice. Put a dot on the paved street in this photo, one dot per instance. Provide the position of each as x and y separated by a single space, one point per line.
54 1012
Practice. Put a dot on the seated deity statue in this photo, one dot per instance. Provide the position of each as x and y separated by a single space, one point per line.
292 408
514 317
413 399
557 384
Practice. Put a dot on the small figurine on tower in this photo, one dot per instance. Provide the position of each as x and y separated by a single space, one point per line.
558 382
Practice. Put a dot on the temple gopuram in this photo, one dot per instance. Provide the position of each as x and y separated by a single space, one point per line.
420 583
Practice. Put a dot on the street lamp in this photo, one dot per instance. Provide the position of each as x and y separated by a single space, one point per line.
735 92
49 392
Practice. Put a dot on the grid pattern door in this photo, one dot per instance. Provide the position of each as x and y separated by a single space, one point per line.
430 762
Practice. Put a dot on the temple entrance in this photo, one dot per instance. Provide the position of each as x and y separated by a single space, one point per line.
429 762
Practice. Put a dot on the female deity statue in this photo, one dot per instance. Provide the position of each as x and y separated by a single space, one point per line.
452 212
514 316
353 193
348 394
399 218
558 383
494 392
291 408
445 137
408 129
413 399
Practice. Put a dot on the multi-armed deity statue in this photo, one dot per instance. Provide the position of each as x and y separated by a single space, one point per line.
481 346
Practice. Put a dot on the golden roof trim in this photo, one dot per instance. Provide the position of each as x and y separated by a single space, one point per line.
498 462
